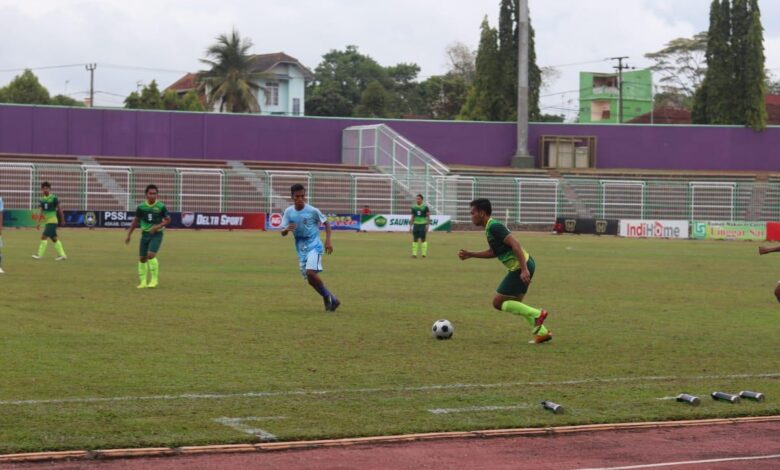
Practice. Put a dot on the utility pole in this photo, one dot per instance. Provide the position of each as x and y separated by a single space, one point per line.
522 159
91 68
620 67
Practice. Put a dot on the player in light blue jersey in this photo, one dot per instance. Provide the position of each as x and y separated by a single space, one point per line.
304 222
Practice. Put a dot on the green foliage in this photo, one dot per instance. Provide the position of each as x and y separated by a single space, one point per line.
680 67
62 100
25 89
444 95
230 81
485 100
735 84
151 98
232 316
373 101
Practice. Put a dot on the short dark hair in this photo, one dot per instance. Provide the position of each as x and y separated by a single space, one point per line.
482 205
151 186
45 184
420 196
295 188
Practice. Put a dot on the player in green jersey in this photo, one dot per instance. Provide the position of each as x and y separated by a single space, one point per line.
152 216
521 266
418 225
764 250
51 214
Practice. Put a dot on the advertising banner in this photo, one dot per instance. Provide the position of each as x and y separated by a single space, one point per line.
337 221
587 226
20 218
400 223
749 231
636 228
87 219
773 231
219 220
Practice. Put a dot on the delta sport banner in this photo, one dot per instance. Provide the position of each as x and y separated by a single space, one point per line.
123 219
337 221
400 223
749 231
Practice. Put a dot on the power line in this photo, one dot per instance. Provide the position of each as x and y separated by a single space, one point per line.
42 68
148 69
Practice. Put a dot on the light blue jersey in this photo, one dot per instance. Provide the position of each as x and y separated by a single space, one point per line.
307 230
1 204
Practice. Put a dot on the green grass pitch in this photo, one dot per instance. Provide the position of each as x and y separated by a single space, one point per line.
233 332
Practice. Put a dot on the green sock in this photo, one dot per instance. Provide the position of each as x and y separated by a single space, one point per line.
142 268
425 248
154 268
518 308
414 248
42 248
60 249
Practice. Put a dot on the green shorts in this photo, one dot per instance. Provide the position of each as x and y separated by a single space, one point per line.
419 232
512 285
50 230
150 243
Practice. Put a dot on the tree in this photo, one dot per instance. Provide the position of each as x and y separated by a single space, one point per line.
719 78
755 114
151 98
63 100
230 81
25 89
462 62
485 101
681 66
373 102
190 102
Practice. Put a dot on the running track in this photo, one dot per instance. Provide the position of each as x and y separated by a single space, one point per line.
733 445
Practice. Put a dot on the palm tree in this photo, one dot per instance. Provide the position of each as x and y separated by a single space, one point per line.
230 81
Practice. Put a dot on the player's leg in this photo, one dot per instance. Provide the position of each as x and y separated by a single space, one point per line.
414 242
313 268
58 245
509 298
423 235
155 242
143 261
44 241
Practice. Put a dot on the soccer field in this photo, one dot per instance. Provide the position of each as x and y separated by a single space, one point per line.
235 345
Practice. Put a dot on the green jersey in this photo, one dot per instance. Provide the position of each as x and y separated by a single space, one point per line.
49 205
420 214
496 233
149 216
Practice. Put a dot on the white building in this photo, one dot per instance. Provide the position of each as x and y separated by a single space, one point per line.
281 93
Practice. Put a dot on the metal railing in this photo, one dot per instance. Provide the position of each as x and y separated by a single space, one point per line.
517 200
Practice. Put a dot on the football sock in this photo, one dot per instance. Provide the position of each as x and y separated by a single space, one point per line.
42 248
324 292
414 248
529 313
142 268
154 268
60 249
425 248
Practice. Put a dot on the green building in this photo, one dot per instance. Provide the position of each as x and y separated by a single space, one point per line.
599 96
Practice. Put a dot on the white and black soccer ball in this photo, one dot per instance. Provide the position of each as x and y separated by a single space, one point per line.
442 329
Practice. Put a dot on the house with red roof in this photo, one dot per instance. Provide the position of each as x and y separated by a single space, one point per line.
282 90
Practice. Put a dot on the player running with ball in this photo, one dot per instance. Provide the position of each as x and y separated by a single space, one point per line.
521 266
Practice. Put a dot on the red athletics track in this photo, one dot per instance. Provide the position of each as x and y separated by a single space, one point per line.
739 444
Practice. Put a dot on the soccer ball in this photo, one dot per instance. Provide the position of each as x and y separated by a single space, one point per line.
442 329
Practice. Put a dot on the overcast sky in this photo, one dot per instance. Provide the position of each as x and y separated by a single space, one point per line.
141 40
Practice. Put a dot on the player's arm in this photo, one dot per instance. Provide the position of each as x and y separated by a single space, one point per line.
287 226
762 250
512 242
61 214
39 218
487 254
328 245
133 226
427 219
156 228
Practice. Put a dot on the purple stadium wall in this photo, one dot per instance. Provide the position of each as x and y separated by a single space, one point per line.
103 132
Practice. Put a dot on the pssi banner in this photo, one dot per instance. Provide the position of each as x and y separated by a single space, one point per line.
653 228
337 222
123 219
748 231
400 223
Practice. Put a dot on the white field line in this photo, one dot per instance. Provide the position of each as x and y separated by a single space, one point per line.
239 425
688 462
475 409
423 388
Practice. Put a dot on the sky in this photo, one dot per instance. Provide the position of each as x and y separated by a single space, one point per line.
135 42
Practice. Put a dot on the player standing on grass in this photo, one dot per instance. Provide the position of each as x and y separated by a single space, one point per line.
51 213
505 247
762 251
304 222
152 216
1 236
421 219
